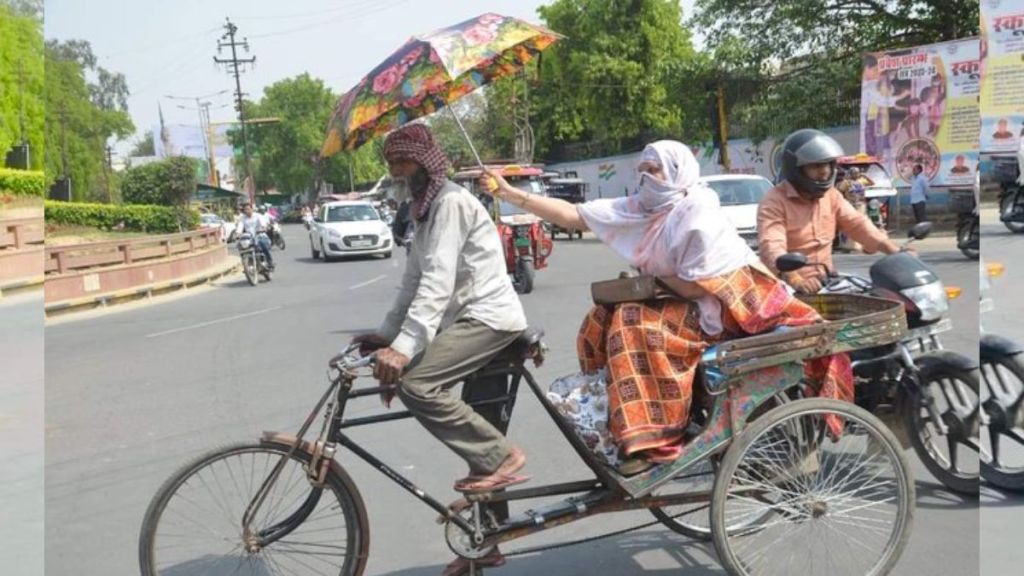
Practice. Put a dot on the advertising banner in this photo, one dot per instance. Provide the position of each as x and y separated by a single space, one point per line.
919 106
1002 80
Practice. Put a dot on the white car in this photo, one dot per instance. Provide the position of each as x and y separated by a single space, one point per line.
213 221
349 228
740 195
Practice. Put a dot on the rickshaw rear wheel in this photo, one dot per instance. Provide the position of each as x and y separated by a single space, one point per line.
852 496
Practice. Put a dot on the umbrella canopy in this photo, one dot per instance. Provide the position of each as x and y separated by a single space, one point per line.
431 71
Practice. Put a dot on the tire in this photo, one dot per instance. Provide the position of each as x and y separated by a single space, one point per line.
999 475
339 491
323 252
279 241
249 267
387 255
524 277
934 451
807 501
1006 205
964 233
313 251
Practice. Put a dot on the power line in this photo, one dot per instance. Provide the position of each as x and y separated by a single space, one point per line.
309 14
348 17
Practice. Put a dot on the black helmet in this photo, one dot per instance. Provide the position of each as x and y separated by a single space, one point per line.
805 147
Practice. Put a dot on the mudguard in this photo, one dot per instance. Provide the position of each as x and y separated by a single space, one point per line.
993 347
936 357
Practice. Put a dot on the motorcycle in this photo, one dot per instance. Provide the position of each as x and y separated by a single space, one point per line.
968 240
276 238
527 248
254 262
931 392
1003 416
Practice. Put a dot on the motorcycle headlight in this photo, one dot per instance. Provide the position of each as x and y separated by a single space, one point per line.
931 300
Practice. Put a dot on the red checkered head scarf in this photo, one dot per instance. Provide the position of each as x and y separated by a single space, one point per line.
415 142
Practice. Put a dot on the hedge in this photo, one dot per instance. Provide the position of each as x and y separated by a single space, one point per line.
22 183
133 217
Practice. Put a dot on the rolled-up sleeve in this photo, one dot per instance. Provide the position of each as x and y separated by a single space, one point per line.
859 227
771 229
439 261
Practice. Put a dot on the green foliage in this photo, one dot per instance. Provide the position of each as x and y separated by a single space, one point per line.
796 63
138 218
22 183
81 117
609 79
284 153
144 147
170 182
21 78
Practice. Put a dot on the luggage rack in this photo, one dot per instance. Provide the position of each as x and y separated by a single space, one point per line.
852 322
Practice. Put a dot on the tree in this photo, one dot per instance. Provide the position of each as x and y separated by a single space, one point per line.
145 146
21 80
607 81
284 152
807 53
78 123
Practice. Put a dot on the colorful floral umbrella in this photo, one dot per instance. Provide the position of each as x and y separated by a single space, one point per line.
431 71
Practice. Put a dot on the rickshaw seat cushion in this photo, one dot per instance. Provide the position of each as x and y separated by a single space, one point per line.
531 336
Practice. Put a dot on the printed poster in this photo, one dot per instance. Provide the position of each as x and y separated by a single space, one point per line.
1002 81
919 106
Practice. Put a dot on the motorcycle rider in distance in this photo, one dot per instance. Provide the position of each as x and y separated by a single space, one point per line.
257 225
805 212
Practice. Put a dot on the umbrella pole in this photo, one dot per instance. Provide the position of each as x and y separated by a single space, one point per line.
495 212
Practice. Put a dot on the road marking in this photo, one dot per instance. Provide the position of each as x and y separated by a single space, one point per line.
212 322
368 282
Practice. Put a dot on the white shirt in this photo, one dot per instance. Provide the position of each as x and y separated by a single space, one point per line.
253 224
456 269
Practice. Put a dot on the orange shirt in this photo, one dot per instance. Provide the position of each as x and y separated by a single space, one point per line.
787 222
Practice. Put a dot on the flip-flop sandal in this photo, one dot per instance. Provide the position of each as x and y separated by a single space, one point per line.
489 483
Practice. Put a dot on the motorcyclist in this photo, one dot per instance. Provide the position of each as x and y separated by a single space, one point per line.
257 225
805 212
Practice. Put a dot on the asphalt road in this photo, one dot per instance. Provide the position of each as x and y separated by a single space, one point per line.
133 394
1002 514
21 435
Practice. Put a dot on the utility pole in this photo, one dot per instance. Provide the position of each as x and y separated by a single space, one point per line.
203 108
234 66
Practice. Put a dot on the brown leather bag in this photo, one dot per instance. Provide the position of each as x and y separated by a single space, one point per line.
630 289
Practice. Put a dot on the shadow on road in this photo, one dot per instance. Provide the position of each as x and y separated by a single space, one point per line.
692 559
935 496
997 498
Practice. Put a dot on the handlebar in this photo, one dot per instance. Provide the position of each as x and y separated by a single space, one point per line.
348 360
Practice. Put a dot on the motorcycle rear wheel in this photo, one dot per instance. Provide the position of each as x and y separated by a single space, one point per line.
1007 205
1002 369
966 234
249 267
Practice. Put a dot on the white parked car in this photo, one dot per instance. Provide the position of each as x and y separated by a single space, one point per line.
740 195
213 221
349 228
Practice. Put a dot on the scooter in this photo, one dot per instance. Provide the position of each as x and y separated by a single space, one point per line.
1002 370
932 392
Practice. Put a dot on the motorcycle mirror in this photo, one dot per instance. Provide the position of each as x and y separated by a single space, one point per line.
790 262
920 231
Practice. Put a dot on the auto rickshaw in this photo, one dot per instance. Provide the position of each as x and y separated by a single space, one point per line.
527 246
876 191
572 190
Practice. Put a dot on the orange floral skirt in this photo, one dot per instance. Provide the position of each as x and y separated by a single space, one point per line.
652 351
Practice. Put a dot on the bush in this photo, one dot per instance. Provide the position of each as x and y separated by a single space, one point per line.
136 218
170 182
22 183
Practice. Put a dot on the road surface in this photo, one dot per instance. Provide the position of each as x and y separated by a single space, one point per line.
133 394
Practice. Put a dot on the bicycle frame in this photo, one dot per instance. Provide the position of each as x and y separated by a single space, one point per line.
734 399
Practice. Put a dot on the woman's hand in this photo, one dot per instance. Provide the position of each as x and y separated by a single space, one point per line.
494 184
